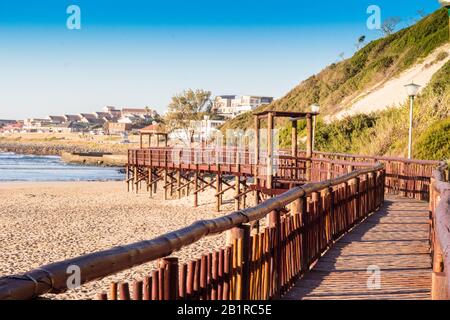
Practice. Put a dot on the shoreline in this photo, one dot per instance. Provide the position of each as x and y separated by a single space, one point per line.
69 154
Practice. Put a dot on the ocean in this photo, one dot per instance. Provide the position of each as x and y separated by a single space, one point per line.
18 167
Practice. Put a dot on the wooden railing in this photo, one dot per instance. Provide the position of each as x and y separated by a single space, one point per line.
286 168
300 225
406 177
440 235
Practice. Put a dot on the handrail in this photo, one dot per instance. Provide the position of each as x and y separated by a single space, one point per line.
52 278
378 158
440 209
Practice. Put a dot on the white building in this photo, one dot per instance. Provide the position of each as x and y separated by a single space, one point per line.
231 106
203 130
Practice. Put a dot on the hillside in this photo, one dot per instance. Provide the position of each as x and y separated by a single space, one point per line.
338 86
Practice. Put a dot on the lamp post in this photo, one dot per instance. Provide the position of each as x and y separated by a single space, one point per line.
315 109
446 4
411 89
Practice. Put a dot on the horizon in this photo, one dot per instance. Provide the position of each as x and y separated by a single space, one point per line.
142 55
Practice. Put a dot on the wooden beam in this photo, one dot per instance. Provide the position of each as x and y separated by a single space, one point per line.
309 129
270 127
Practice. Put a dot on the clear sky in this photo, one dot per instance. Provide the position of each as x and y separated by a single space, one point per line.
139 53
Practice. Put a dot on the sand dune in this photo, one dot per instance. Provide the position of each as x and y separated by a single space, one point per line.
392 93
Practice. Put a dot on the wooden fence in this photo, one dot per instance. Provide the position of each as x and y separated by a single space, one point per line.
406 177
440 235
301 224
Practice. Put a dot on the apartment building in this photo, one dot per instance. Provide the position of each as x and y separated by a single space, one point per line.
230 106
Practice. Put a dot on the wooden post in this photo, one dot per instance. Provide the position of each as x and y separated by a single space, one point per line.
150 181
294 146
179 183
171 273
242 233
303 212
275 223
255 173
196 187
218 189
308 146
140 140
237 192
165 184
269 150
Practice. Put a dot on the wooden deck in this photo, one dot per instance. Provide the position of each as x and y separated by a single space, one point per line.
395 239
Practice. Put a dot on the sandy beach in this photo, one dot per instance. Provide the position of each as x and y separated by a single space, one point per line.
47 222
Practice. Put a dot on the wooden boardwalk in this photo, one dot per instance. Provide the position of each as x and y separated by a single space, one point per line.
395 240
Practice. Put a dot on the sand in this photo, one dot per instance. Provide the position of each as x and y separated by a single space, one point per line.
392 93
42 223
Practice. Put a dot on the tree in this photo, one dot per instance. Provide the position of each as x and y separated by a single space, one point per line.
360 42
388 25
342 55
185 108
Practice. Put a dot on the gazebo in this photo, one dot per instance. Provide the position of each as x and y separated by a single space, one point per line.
270 116
150 131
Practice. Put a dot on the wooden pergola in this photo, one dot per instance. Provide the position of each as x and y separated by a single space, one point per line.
294 117
150 131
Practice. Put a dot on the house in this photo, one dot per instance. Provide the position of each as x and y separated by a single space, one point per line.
34 124
131 119
90 118
118 128
222 103
103 115
66 127
116 113
56 119
138 112
11 127
5 122
71 117
202 130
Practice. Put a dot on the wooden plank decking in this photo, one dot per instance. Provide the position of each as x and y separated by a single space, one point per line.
396 239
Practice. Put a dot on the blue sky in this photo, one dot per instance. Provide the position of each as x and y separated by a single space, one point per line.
137 53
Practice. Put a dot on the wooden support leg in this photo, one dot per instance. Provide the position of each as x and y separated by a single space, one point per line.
237 192
218 189
165 184
179 183
155 184
136 179
196 188
150 182
244 198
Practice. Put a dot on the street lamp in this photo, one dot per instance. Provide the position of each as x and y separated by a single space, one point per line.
411 89
315 109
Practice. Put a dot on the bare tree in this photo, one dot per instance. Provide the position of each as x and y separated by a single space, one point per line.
388 26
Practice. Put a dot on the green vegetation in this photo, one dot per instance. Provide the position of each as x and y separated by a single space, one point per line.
386 132
335 86
434 142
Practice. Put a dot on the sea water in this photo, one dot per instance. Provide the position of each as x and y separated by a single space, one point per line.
18 167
